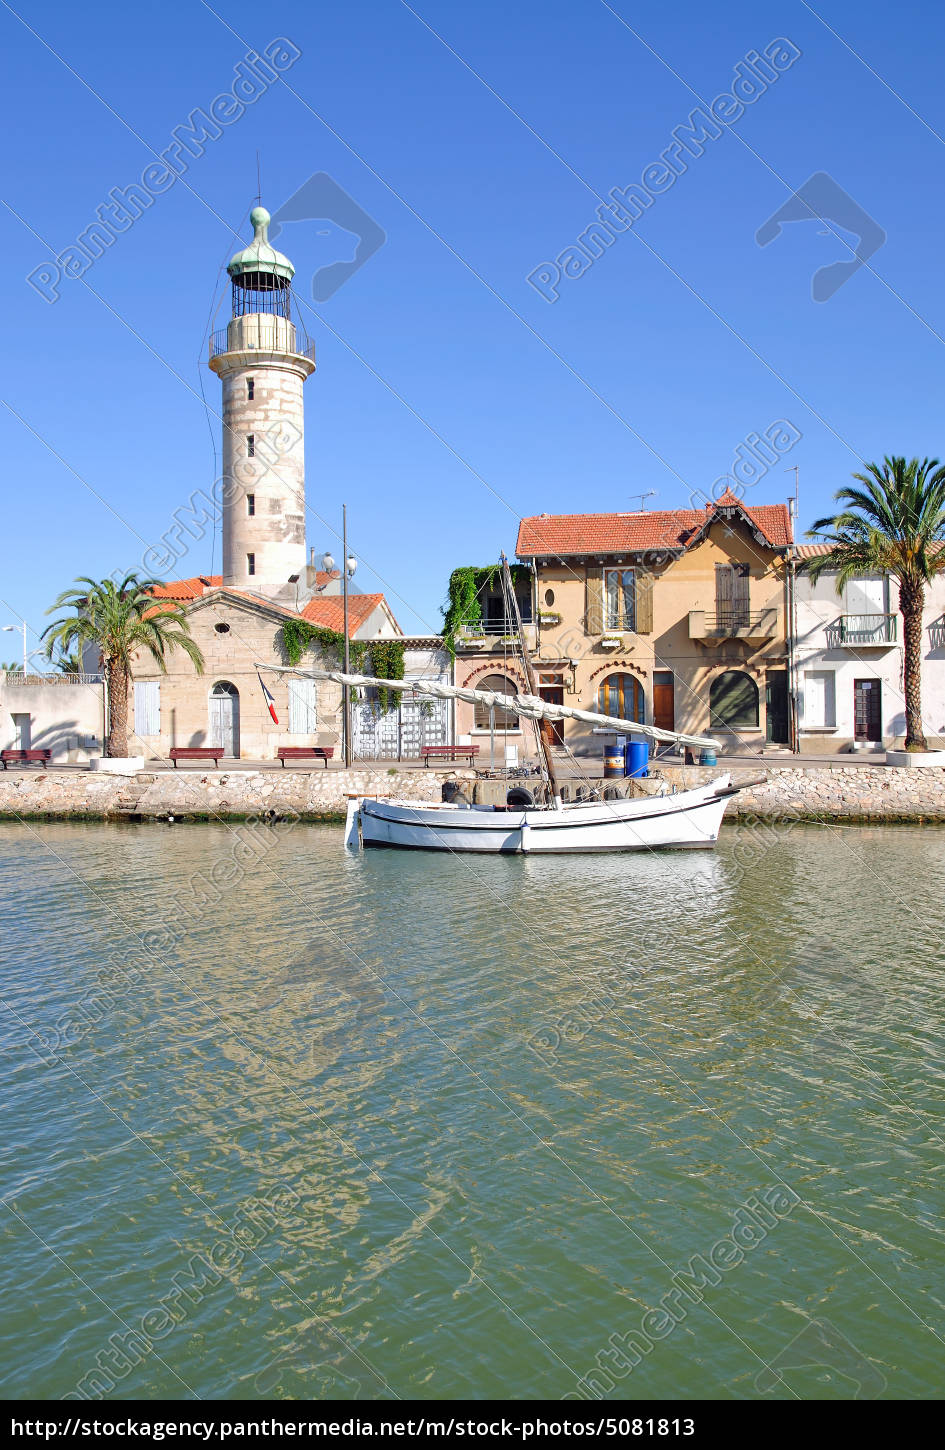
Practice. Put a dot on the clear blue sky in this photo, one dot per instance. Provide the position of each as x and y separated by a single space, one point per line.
437 413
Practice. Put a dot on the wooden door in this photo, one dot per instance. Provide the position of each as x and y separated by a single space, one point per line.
776 707
867 710
225 719
664 700
553 729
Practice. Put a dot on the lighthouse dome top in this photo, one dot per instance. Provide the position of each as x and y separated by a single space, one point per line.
260 257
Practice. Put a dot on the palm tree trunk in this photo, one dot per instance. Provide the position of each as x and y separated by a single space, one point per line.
911 604
116 674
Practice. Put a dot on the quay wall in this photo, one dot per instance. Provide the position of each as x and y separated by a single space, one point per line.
860 793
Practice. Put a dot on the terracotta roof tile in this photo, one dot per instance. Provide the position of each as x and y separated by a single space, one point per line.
325 610
329 612
629 533
188 588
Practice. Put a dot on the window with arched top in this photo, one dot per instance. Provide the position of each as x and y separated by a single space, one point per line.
733 701
504 719
621 695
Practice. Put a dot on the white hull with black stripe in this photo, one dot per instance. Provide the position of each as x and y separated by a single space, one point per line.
689 818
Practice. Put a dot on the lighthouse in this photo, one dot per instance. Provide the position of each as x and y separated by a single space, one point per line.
263 358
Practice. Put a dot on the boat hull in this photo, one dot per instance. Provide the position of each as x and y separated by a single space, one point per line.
689 819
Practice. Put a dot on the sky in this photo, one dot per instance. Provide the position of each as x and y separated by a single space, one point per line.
466 375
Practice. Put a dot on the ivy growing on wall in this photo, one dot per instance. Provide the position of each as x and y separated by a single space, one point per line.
387 655
387 661
299 636
465 591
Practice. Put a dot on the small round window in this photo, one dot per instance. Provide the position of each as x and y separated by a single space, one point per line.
222 628
549 597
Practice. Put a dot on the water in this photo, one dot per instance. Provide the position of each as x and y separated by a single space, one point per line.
442 1127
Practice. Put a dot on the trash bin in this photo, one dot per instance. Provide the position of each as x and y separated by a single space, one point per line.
637 757
614 759
708 756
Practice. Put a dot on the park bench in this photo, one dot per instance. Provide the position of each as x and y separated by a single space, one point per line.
197 752
25 757
305 752
448 752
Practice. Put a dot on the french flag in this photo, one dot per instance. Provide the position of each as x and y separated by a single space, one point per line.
269 697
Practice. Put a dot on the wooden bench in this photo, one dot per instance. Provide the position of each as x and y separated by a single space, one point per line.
448 752
305 752
25 757
197 752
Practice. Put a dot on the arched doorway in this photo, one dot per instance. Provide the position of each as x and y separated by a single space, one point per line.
225 717
733 701
622 695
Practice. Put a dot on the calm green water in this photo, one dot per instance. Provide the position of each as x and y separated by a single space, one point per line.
440 1127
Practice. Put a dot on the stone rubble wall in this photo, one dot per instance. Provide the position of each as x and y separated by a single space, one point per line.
862 793
198 794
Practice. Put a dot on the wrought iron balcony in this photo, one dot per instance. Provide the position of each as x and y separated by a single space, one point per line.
859 631
724 622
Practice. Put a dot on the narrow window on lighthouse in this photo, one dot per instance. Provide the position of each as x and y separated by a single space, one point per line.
250 445
250 388
251 563
250 504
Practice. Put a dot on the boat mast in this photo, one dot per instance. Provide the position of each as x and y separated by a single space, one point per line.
543 745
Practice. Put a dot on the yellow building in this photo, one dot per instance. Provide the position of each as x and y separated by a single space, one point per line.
675 619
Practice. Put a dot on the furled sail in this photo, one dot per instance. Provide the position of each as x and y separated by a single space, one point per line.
529 705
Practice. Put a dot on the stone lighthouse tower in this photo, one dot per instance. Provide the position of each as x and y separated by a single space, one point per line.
262 360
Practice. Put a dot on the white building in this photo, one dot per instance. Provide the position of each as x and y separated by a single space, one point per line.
849 662
61 713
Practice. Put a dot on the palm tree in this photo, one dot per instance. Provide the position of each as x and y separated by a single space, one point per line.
893 524
120 619
68 664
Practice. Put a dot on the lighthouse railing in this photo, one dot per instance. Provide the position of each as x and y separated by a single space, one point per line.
263 339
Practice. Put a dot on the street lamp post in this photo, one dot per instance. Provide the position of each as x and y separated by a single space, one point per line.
11 629
349 564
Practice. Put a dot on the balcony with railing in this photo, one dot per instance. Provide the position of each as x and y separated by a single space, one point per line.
255 335
862 631
723 623
494 633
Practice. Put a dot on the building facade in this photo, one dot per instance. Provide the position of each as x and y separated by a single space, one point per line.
675 619
225 706
849 662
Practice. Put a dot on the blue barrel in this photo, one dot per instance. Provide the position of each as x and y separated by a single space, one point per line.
708 757
614 759
637 758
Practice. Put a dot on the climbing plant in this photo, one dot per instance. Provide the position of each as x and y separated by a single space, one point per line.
299 636
468 584
387 661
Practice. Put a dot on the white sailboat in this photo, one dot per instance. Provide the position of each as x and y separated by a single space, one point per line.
523 826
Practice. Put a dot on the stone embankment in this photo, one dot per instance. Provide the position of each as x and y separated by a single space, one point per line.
854 793
202 795
860 793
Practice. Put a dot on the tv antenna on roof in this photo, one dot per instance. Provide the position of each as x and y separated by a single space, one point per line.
650 493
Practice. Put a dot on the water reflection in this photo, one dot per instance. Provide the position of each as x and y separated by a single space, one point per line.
511 1099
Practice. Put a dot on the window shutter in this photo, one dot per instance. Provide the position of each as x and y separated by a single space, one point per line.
644 602
302 701
594 602
723 596
741 584
147 707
